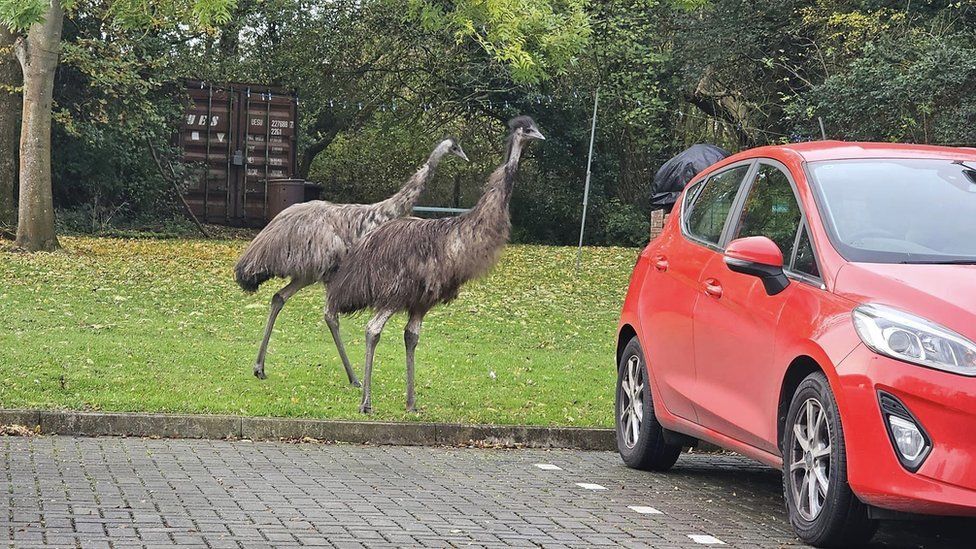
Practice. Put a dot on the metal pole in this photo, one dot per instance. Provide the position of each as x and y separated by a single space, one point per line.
823 131
586 186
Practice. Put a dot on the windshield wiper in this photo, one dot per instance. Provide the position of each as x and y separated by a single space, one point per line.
942 262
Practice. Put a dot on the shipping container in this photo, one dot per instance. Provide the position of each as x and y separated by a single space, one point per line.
243 137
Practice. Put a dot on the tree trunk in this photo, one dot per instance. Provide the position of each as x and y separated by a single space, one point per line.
309 154
9 131
328 126
38 56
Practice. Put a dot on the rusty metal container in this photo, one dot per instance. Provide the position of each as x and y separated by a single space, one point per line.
243 136
283 193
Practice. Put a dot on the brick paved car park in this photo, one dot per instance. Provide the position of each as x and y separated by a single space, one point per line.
126 492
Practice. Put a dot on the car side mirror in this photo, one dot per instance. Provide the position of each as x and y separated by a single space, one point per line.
760 257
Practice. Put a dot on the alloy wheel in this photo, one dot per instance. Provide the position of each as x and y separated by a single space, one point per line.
632 401
810 459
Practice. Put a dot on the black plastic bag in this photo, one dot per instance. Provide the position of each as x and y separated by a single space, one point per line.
671 179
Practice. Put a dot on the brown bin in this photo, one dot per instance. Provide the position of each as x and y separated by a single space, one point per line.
283 193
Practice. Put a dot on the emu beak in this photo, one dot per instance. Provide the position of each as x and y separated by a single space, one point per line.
462 155
539 136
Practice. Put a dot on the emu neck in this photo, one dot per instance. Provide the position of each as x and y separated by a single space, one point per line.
491 212
401 203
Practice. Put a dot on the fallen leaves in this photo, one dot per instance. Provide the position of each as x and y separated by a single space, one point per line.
16 431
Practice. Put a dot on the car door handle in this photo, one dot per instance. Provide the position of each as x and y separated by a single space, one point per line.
713 288
661 263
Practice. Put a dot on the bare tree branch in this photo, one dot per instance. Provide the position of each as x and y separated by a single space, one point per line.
173 179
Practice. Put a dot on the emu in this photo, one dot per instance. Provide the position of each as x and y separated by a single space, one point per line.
413 264
307 242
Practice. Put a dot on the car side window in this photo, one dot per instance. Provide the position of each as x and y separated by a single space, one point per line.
771 210
710 208
805 261
689 198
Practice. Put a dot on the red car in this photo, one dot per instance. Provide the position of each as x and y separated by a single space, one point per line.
813 306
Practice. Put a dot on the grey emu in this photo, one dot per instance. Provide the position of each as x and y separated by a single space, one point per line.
307 242
414 264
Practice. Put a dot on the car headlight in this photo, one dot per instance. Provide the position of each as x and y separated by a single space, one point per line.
906 337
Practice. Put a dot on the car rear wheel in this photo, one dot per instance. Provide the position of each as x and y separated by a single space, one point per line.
823 510
640 438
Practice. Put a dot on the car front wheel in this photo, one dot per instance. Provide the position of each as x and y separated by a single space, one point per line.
640 438
823 510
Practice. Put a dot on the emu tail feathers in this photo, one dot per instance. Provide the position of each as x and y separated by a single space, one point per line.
248 272
249 281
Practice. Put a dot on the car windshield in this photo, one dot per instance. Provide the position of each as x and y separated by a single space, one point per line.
899 210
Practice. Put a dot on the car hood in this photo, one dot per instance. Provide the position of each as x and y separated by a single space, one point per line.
945 294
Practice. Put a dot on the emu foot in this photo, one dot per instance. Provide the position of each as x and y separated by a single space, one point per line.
355 383
366 408
412 408
259 371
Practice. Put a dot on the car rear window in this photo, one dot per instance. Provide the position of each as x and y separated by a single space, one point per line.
710 208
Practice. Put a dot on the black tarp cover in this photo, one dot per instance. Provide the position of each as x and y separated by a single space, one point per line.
671 179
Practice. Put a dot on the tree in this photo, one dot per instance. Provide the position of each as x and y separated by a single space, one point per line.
38 57
534 39
895 75
116 88
9 113
38 24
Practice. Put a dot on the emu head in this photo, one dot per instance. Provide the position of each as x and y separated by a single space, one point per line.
455 149
524 129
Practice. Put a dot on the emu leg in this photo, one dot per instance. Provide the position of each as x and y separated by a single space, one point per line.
411 335
333 322
373 330
277 302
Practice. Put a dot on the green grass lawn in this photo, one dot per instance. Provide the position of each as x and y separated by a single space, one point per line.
160 326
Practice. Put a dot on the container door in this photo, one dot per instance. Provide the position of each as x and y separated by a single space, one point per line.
268 137
207 138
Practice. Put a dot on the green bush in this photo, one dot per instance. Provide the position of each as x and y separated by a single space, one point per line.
624 224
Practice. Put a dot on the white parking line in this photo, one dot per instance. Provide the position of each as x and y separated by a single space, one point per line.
644 510
590 486
548 467
705 540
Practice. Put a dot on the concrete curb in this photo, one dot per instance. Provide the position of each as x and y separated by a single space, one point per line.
267 428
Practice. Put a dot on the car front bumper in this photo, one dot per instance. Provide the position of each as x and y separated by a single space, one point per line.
945 406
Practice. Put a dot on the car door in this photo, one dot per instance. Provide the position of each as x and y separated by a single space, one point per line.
735 320
671 288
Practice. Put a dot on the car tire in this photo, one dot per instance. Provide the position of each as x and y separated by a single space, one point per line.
815 460
642 444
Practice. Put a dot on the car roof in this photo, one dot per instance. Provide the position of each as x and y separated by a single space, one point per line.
814 151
